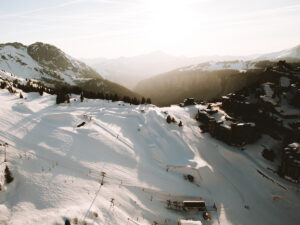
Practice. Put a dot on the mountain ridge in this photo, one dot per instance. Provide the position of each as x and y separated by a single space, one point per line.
51 66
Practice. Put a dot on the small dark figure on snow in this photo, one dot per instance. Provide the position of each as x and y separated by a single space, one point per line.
80 125
190 178
8 176
180 124
215 207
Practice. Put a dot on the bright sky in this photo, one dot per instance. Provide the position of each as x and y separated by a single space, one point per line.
113 28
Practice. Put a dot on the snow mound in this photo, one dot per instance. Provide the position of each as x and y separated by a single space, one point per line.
22 108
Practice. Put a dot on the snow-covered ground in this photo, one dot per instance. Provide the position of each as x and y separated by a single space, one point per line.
293 52
58 167
17 60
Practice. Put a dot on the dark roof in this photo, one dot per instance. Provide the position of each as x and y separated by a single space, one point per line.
195 204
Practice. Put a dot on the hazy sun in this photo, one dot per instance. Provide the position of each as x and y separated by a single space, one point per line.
170 21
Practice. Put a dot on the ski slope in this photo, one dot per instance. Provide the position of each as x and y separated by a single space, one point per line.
58 167
293 53
17 60
213 66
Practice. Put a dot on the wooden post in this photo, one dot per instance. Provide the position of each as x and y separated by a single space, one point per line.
103 175
5 160
112 202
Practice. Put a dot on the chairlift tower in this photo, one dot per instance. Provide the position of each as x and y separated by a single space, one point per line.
103 174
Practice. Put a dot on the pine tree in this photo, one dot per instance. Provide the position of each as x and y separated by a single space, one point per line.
62 97
134 101
3 85
143 101
115 98
21 96
180 124
126 99
67 222
41 91
67 98
169 119
148 101
7 175
59 98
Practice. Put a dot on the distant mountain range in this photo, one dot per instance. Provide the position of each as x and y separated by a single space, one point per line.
54 68
210 80
291 54
128 71
166 79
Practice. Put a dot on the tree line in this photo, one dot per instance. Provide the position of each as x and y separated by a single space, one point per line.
63 92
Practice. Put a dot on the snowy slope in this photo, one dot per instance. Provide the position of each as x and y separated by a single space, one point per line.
291 53
16 59
57 167
52 67
13 60
213 66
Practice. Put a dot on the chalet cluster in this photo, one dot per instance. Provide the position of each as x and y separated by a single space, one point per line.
270 106
290 162
225 128
187 102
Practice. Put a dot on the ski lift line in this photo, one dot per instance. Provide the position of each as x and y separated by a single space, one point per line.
101 184
153 198
35 155
76 171
120 182
47 159
92 203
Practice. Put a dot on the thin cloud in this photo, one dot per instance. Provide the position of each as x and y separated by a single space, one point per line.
62 5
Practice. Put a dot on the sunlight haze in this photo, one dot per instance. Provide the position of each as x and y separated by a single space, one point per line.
114 28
